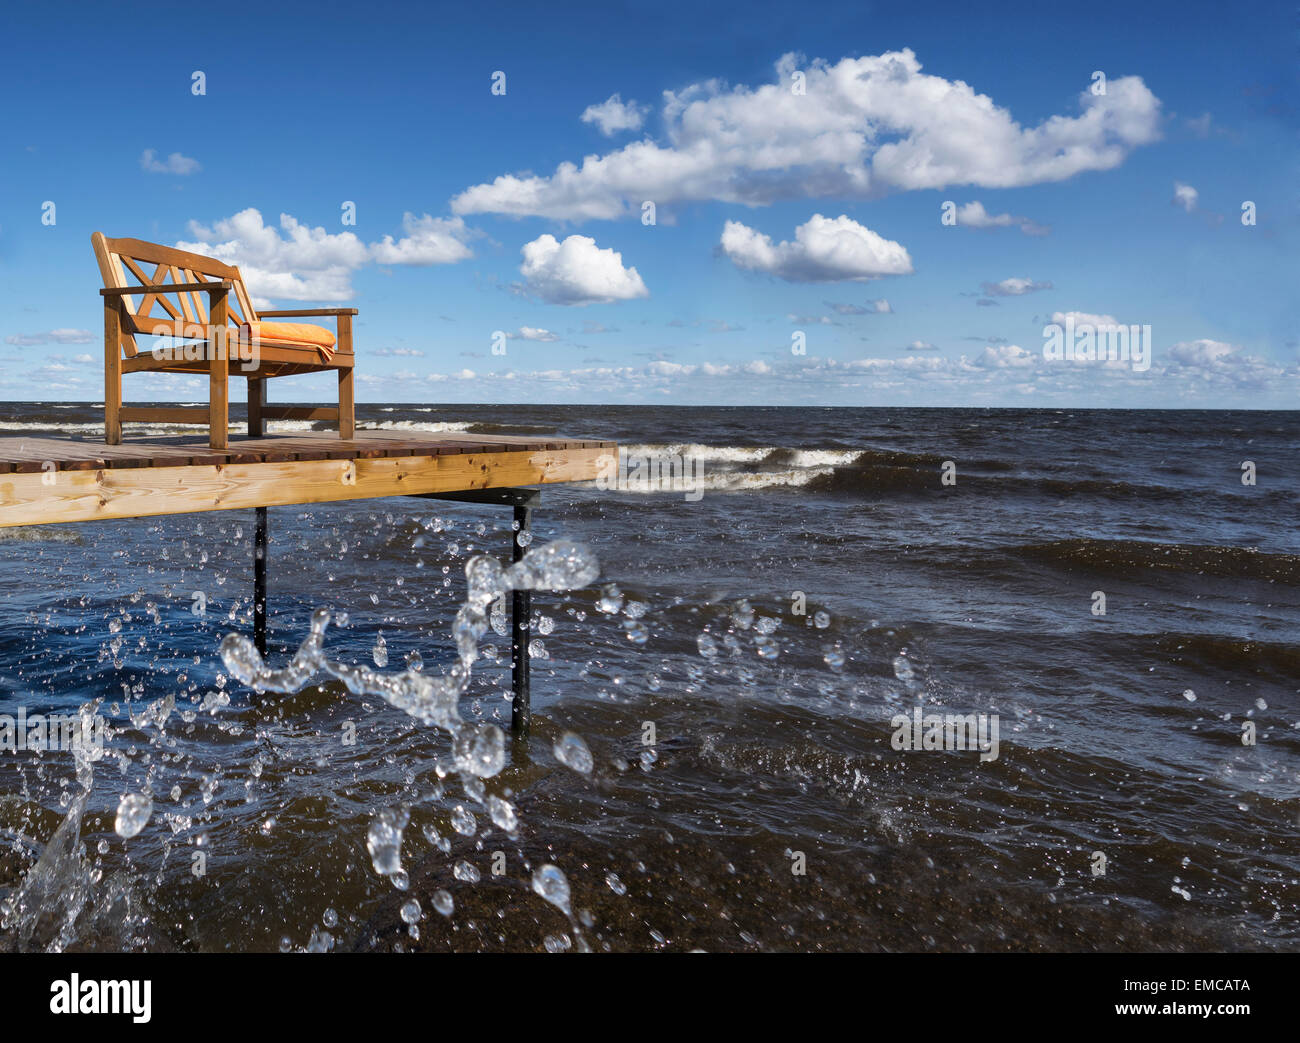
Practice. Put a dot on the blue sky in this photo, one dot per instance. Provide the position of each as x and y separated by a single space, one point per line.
777 211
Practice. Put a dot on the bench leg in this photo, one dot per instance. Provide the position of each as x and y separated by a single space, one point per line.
256 400
218 375
112 374
347 408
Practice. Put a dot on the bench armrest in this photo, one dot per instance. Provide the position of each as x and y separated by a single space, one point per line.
175 287
303 312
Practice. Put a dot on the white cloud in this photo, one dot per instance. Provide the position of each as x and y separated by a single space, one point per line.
428 240
578 272
921 345
824 250
1084 318
876 307
1006 355
1185 196
1199 353
395 353
297 262
1013 287
173 164
61 336
973 215
613 115
533 333
864 127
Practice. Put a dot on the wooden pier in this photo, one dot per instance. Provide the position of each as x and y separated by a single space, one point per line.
60 480
46 481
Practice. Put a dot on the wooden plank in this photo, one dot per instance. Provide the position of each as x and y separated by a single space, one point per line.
165 414
304 312
300 412
153 289
91 495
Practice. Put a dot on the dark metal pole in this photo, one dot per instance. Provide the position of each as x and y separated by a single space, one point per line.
520 632
259 582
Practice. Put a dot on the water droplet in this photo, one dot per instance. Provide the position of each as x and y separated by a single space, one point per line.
411 911
611 599
1189 695
821 620
466 872
707 645
133 812
551 883
503 814
384 841
571 751
615 884
442 902
903 668
480 751
463 821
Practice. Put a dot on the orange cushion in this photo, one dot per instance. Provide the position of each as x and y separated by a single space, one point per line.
296 333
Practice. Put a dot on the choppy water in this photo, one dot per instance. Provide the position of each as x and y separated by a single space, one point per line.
1120 734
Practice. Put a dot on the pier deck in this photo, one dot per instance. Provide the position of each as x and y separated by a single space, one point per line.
61 480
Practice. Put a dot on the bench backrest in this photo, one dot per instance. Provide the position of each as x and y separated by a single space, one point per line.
133 262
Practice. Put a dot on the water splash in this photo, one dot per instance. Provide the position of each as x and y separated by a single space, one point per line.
44 912
478 750
432 700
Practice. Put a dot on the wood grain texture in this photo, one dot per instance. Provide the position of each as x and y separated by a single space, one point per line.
40 497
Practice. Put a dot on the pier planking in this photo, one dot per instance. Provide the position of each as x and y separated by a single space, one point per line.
61 480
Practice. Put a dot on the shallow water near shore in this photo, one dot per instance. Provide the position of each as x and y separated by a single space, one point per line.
735 671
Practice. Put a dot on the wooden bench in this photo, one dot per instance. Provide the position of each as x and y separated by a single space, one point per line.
208 325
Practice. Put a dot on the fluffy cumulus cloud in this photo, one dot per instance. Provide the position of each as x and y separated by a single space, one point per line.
578 272
427 240
863 127
973 215
1013 287
614 115
824 249
1201 353
298 262
173 164
1185 196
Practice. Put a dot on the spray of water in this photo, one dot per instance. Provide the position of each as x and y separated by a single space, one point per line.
478 752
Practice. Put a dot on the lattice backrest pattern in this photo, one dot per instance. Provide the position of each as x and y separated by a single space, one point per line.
134 262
